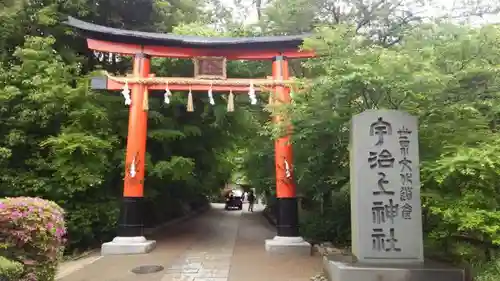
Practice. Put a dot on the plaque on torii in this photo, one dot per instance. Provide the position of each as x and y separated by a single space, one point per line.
210 67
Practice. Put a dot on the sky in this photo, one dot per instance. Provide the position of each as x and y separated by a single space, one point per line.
439 8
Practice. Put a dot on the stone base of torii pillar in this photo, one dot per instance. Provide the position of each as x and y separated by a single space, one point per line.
288 245
128 246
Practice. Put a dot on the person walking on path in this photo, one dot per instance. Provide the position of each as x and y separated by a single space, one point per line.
251 201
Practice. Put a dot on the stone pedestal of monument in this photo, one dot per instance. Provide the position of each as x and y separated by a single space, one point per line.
345 268
128 246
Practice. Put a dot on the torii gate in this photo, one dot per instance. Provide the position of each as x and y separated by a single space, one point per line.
209 55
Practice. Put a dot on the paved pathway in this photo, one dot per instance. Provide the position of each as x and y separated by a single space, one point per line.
217 246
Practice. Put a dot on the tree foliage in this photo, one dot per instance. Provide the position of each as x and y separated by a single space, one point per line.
64 142
445 74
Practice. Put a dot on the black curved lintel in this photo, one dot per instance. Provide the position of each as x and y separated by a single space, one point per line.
99 32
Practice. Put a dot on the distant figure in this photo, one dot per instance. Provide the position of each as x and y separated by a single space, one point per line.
251 201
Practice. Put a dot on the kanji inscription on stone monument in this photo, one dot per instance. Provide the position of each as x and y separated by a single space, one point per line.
385 187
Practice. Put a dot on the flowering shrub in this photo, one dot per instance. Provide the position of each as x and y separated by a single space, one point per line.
32 232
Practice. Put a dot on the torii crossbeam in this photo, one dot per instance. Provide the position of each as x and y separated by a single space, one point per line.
210 56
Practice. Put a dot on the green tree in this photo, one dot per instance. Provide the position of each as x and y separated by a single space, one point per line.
66 143
444 74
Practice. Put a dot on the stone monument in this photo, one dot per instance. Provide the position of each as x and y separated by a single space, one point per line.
386 213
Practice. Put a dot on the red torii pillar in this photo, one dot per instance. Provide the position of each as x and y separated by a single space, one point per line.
130 223
130 239
283 157
288 239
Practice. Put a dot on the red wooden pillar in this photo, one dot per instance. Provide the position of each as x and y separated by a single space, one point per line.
131 219
287 209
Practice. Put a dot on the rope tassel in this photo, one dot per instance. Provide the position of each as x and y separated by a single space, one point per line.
230 102
190 107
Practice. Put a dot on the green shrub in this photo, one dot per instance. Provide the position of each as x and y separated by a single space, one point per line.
332 224
487 271
10 270
32 231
